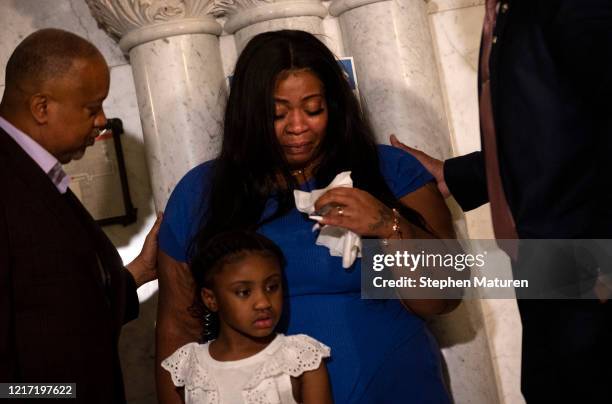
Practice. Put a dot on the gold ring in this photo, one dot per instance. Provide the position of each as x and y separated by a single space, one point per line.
340 210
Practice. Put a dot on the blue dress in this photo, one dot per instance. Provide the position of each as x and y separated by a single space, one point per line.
380 353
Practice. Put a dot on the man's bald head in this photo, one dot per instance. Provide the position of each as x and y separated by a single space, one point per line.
45 55
56 83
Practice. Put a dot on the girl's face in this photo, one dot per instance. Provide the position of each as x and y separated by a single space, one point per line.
247 295
300 118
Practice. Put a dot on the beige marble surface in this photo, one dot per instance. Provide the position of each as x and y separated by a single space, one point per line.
181 94
396 68
456 27
121 103
19 18
310 24
464 342
435 6
333 36
229 54
457 37
504 327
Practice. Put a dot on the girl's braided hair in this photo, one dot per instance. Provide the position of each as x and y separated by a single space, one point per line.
220 250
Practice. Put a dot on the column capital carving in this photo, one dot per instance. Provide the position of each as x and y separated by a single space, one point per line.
132 22
337 7
226 8
241 13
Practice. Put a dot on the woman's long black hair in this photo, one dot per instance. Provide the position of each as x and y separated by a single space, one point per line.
246 173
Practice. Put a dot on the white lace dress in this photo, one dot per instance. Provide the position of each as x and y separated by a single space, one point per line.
261 378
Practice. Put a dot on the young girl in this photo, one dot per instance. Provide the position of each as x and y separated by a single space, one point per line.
240 283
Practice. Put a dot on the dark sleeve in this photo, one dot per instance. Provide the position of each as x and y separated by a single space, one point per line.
583 29
466 179
132 305
7 359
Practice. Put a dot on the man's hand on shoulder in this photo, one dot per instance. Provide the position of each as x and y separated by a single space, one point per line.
433 165
144 266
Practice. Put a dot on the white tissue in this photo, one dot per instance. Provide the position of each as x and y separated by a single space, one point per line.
340 241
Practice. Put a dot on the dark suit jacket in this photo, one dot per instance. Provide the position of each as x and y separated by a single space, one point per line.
60 311
551 83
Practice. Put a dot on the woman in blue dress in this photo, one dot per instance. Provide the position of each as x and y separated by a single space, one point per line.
292 122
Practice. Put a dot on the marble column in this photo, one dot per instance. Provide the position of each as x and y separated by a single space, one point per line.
396 68
247 18
173 48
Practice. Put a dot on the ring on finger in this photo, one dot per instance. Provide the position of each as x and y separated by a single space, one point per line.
340 210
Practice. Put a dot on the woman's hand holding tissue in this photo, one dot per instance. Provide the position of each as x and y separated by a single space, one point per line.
360 212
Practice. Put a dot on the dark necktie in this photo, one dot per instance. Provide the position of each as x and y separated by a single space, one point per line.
503 222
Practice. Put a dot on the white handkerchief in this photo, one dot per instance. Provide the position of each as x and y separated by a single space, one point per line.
341 242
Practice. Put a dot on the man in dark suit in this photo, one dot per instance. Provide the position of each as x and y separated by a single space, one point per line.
64 292
545 166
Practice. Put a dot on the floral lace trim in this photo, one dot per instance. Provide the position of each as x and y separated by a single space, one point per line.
186 370
264 393
297 354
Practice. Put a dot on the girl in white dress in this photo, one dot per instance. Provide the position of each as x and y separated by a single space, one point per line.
240 300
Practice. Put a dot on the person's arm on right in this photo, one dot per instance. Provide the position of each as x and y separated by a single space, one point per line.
466 180
175 325
462 177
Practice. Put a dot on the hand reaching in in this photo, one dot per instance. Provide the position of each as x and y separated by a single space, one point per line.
144 267
433 165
